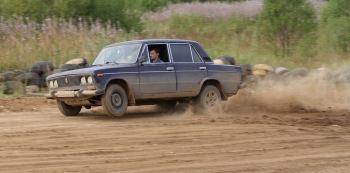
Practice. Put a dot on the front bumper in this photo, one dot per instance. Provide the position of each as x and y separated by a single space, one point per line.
71 94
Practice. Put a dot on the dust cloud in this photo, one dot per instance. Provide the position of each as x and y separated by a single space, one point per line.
318 90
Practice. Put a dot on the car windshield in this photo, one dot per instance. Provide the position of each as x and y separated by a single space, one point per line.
126 53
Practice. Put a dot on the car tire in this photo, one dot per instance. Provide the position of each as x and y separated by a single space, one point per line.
167 106
226 60
68 110
115 100
42 69
31 78
208 99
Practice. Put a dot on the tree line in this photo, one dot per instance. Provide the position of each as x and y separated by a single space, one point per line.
121 13
287 24
284 24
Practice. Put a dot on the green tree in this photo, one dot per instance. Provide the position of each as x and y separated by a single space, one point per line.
34 9
72 8
335 24
284 23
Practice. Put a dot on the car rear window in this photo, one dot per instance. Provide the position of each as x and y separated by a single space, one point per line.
181 52
196 57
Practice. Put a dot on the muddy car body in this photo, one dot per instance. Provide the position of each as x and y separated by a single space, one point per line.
122 75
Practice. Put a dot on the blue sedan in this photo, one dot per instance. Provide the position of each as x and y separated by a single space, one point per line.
161 71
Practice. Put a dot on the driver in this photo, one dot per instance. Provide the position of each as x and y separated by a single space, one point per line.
154 55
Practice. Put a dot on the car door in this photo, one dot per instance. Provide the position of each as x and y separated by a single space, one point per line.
157 79
189 67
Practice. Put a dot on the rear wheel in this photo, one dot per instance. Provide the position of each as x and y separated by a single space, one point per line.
115 100
68 110
209 98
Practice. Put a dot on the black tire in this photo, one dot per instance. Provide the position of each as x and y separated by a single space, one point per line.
209 98
9 87
8 76
42 67
31 78
2 77
167 106
115 100
229 60
68 110
246 70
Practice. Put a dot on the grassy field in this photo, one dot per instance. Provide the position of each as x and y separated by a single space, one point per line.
58 41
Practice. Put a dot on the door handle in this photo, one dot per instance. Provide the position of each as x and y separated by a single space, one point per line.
202 68
170 68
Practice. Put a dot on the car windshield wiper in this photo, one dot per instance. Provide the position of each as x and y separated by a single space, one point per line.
111 62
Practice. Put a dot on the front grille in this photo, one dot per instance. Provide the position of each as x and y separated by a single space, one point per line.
68 81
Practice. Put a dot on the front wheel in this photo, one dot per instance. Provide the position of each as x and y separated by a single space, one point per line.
209 98
115 100
68 110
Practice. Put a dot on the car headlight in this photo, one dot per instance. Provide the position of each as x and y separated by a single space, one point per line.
83 80
51 84
89 80
55 84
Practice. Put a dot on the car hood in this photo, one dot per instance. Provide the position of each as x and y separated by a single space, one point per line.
89 70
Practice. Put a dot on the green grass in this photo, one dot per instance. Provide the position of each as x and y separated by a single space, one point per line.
20 47
58 41
237 37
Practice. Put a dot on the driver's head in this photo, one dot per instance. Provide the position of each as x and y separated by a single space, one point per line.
154 54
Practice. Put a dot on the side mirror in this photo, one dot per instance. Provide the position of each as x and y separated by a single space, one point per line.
143 59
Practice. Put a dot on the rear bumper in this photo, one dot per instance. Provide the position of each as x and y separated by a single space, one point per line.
71 94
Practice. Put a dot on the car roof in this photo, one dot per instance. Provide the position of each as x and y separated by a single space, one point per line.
150 41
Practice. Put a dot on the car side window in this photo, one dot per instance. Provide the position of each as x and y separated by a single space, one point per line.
158 53
196 56
145 54
181 52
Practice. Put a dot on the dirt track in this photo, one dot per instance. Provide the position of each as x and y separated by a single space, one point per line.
42 140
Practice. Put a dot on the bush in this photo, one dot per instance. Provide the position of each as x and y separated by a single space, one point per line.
284 23
335 24
120 13
55 40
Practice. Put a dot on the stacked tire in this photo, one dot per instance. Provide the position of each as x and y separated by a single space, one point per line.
73 64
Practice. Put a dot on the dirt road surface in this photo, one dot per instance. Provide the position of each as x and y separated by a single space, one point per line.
35 137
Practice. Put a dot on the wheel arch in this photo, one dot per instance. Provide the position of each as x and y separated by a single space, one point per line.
215 83
126 87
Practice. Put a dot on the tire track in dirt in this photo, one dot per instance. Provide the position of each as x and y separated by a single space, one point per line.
147 141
